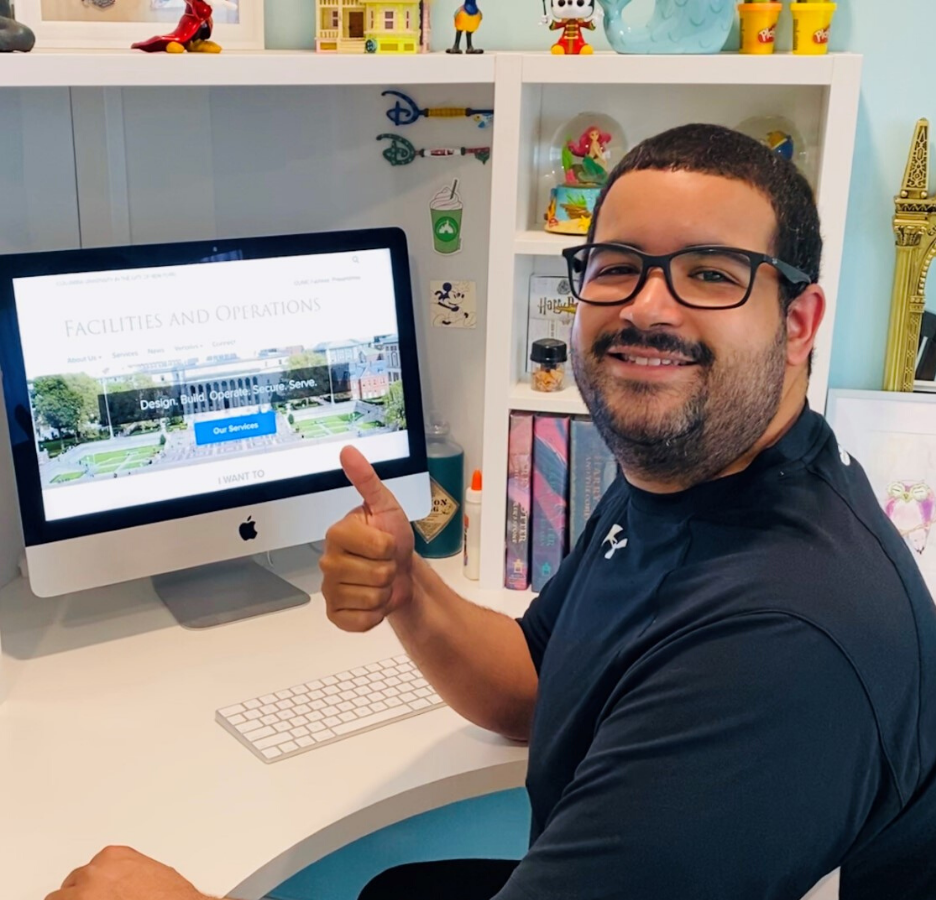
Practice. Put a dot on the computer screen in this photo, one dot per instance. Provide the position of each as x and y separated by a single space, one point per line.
152 384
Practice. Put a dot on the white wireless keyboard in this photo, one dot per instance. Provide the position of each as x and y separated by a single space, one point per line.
293 720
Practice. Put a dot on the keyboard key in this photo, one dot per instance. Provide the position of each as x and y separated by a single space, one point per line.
268 708
266 731
377 695
288 747
363 711
393 681
344 676
362 691
274 740
434 698
282 726
361 701
348 695
419 704
422 692
237 719
318 704
325 735
344 707
285 704
329 679
373 667
301 709
284 715
299 732
314 717
347 716
390 671
252 714
391 692
316 726
331 690
305 741
394 701
246 727
300 720
314 686
408 697
316 695
378 706
373 719
420 682
282 695
401 659
253 704
272 753
331 721
330 711
269 720
268 698
233 710
359 671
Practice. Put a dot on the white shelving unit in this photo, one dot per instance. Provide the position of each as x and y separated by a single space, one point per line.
125 144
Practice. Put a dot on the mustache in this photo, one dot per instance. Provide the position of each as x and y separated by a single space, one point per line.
662 342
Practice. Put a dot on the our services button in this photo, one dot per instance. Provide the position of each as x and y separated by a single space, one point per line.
217 431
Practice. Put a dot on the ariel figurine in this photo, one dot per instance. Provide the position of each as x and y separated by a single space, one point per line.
592 151
583 167
191 34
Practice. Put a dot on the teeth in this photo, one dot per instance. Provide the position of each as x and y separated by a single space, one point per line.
646 361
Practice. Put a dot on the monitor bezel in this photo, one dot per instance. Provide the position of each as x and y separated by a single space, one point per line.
36 529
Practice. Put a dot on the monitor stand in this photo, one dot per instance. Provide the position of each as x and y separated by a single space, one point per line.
225 592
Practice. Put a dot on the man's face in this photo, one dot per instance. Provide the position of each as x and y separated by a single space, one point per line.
689 419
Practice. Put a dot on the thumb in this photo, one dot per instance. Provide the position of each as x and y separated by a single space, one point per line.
377 498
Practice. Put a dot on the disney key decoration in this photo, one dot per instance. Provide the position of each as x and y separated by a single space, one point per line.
405 111
401 152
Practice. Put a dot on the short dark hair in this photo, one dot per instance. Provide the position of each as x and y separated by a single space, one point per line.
714 150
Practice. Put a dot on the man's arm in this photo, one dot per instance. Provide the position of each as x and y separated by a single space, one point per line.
738 761
476 659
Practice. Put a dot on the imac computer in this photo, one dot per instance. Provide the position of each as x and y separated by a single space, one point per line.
174 409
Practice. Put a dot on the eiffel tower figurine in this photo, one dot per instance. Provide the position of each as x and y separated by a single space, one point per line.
13 35
915 227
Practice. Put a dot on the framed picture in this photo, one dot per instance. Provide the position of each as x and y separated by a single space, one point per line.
893 436
116 24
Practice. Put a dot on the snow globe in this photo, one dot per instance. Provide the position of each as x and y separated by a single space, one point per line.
582 154
783 137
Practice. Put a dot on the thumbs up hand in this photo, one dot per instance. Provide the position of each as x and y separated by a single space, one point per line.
368 560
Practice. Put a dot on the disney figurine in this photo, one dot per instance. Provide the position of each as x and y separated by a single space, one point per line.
581 168
192 33
467 21
571 17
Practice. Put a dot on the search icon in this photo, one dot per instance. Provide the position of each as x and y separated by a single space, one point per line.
355 259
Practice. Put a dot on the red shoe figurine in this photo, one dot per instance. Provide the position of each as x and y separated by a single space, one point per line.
192 33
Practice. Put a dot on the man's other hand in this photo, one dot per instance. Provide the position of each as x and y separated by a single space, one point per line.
119 873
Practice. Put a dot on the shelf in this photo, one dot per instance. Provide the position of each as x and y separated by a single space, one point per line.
566 402
132 68
542 243
717 68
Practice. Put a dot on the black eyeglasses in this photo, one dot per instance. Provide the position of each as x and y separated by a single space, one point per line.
698 277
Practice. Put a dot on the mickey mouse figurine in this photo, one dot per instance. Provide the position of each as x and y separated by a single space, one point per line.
571 17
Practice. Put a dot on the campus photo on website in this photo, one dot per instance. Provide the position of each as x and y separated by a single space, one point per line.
154 384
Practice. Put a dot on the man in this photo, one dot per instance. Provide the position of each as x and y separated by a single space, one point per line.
733 696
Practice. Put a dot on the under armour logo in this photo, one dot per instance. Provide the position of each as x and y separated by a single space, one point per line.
613 541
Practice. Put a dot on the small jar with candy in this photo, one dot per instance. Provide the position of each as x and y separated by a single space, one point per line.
549 357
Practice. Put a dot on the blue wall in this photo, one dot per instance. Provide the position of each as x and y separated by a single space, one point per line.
898 50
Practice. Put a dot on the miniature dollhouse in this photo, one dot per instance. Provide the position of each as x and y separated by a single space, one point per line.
370 26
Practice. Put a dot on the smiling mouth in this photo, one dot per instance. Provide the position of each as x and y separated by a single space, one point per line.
650 361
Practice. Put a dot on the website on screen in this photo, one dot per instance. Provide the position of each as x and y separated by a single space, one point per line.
161 383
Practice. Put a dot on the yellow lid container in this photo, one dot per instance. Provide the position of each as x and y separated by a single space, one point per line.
759 27
812 23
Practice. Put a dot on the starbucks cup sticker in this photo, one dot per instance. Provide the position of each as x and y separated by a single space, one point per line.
445 211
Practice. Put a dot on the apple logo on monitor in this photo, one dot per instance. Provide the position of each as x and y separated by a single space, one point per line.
248 529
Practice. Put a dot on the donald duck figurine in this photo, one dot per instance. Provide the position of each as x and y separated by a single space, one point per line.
467 21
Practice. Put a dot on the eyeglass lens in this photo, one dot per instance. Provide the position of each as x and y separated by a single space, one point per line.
701 278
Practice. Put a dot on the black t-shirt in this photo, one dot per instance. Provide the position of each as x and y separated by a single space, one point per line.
737 694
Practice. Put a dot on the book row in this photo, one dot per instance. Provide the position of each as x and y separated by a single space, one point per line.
558 468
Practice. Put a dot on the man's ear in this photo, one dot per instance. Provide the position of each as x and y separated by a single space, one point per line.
803 319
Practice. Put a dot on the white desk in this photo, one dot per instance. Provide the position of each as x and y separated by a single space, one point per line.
107 736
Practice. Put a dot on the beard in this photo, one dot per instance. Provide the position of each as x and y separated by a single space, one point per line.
689 432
